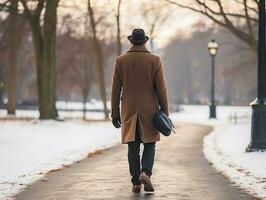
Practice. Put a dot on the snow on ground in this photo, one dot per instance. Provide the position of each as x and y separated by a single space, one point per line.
75 110
28 150
200 114
62 114
92 104
225 147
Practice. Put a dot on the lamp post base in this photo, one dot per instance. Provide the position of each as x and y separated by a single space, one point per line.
212 111
258 127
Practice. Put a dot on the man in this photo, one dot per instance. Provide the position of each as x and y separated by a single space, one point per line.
137 74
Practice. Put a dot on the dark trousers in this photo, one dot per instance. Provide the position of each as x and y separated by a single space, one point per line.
135 165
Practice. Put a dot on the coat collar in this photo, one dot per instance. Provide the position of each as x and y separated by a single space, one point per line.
140 48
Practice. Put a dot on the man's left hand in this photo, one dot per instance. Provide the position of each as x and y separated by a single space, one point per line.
116 122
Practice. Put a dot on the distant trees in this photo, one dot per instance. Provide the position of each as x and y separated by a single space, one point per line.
80 66
187 64
44 39
77 60
238 16
75 66
80 53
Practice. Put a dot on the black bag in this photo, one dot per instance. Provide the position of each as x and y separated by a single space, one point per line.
161 121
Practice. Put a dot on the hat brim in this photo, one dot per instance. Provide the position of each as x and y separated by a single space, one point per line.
137 41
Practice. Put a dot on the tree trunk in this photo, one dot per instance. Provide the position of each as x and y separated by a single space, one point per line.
12 59
100 62
102 80
87 85
84 95
49 59
38 43
151 44
1 91
45 51
118 36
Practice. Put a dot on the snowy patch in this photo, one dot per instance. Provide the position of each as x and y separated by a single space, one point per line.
28 150
225 148
62 114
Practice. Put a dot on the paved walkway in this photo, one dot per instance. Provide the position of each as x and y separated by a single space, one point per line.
180 172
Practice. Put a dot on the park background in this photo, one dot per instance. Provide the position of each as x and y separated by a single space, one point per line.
83 68
56 65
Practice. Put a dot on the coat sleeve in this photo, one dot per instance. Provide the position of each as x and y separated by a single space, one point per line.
160 86
116 91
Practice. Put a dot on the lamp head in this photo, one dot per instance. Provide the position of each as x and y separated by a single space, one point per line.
213 47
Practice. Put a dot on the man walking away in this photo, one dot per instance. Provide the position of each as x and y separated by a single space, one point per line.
136 76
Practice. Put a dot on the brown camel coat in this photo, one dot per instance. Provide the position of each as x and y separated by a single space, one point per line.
136 74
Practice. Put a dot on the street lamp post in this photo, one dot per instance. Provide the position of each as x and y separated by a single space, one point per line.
213 48
258 124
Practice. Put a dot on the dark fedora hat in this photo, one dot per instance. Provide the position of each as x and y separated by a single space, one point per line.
138 36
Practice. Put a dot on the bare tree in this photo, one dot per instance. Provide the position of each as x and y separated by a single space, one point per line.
118 36
12 69
14 37
3 24
44 39
155 15
242 21
86 84
2 66
87 72
99 59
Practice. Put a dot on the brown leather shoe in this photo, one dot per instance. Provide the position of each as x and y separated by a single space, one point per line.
136 188
146 181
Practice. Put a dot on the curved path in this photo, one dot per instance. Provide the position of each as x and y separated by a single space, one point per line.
180 172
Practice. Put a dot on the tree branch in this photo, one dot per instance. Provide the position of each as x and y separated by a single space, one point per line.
221 17
241 34
250 29
26 9
9 9
3 5
39 8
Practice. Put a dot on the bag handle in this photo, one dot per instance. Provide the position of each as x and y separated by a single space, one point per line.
158 105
